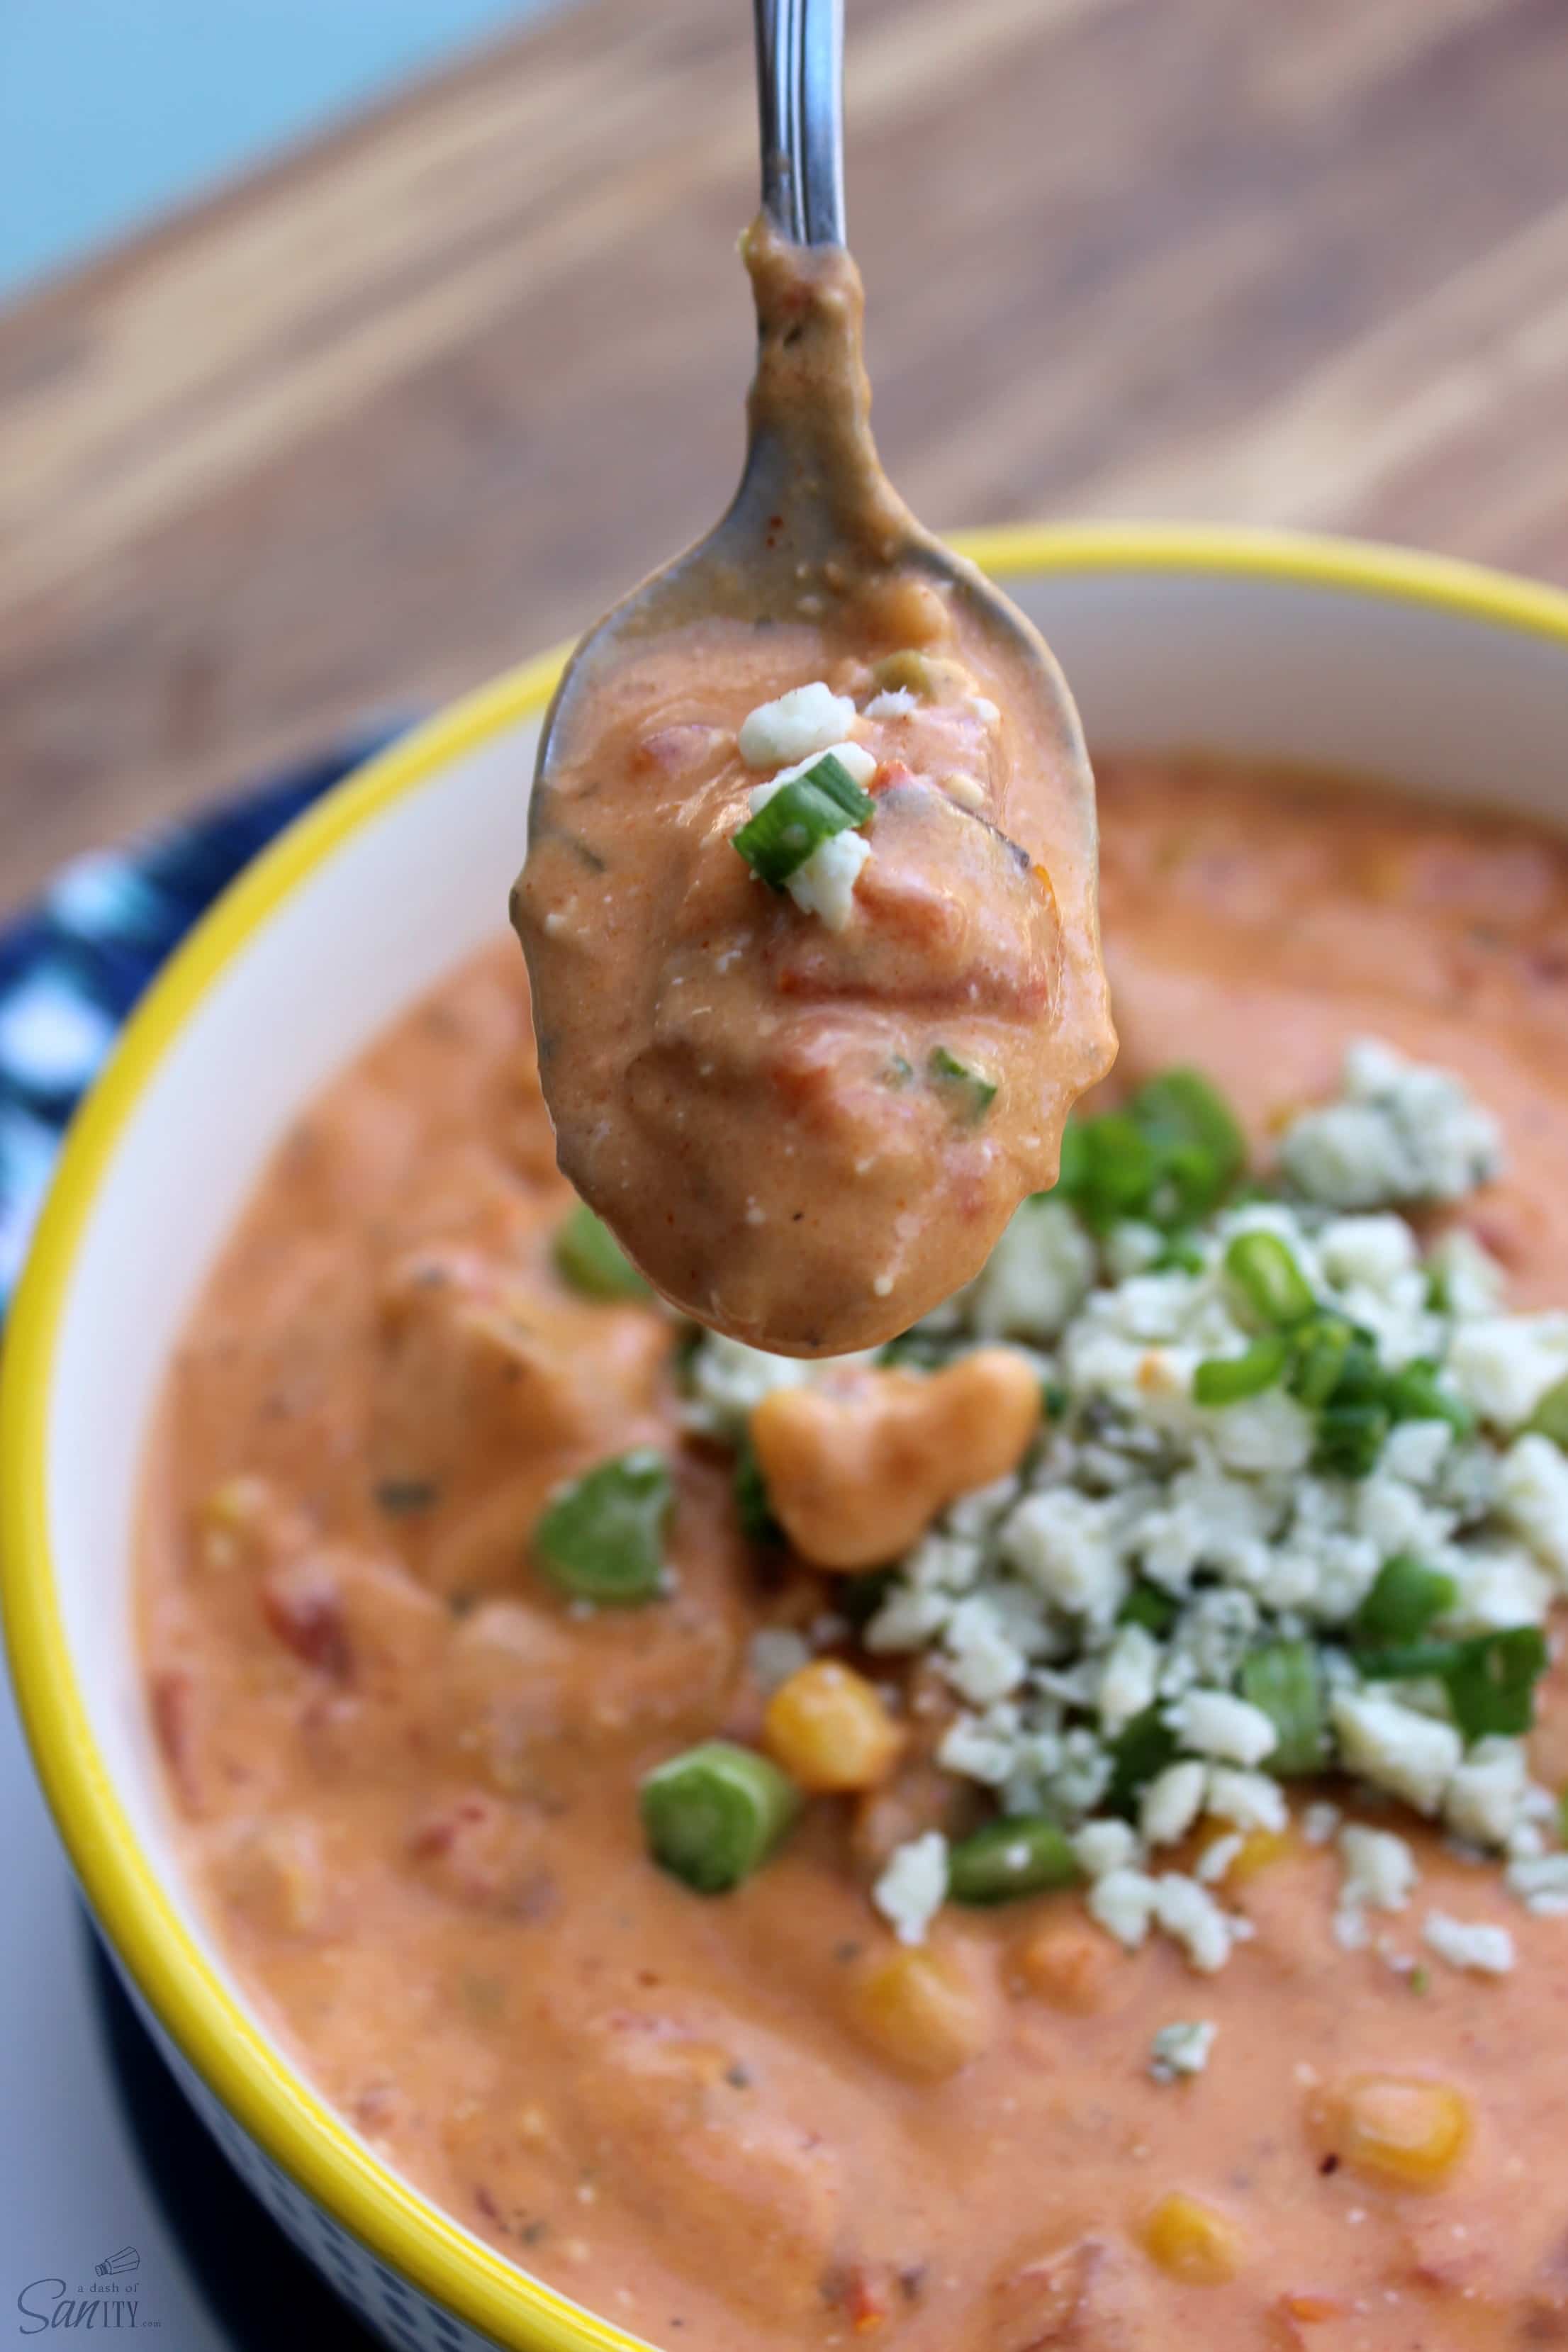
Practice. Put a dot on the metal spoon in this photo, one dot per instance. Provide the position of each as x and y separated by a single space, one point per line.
658 1135
814 509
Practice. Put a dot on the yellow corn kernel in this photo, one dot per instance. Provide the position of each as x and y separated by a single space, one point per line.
830 1730
920 2011
229 1520
1192 2240
1401 2129
1258 1850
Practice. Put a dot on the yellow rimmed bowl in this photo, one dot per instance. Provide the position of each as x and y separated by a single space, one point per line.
1446 678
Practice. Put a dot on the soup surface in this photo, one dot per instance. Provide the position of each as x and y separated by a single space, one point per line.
407 1765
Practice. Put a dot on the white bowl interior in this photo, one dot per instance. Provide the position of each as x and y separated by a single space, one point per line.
1246 663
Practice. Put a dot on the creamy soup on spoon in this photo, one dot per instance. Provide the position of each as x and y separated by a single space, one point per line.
810 907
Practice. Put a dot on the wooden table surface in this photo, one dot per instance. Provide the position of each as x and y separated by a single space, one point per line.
423 397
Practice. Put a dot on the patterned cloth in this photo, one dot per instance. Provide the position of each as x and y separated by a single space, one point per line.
72 966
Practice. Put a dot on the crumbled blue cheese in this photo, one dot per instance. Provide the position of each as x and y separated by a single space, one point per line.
1214 1723
800 725
1172 1803
1485 1800
1181 2048
1532 1498
1101 1847
1411 1755
912 1887
1380 1870
1037 1277
824 884
1540 1882
1469 1944
1248 1800
1502 1365
1401 1132
893 702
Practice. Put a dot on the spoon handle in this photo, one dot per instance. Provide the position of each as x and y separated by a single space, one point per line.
800 56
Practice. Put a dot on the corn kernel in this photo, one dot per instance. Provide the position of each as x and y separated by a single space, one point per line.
229 1521
1194 2242
1401 2129
830 1730
1258 1850
918 2011
1068 1963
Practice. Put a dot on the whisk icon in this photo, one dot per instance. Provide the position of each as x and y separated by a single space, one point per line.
115 2265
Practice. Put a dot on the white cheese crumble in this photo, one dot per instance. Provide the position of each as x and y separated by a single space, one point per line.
893 702
802 724
1380 1870
1469 1944
1403 1131
1413 1756
912 1887
824 884
1037 1277
1214 1723
1181 2048
1172 1803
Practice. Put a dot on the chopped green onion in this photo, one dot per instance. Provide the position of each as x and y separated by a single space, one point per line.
1010 1858
1492 1687
1137 1755
971 1093
592 1260
1282 1678
1118 1168
714 1815
1490 1679
1320 1349
1147 1606
1406 1598
1550 1417
399 1497
1193 1128
752 1509
1169 1157
1270 1279
799 817
1562 1816
602 1537
1180 1256
1350 1439
1415 1392
858 1597
1226 1379
1056 1398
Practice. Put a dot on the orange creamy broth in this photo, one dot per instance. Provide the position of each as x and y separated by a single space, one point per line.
407 1773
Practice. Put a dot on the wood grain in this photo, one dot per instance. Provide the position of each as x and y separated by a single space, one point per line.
427 395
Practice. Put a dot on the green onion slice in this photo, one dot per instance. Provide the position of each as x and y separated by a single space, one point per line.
1268 1278
1226 1379
714 1815
1169 1157
752 1509
1010 1858
1147 1606
1406 1598
799 817
1415 1392
1322 1348
1490 1679
602 1537
1282 1678
591 1259
1350 1439
1139 1754
970 1092
1550 1417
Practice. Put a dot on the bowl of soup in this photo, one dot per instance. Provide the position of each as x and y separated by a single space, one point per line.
627 1843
